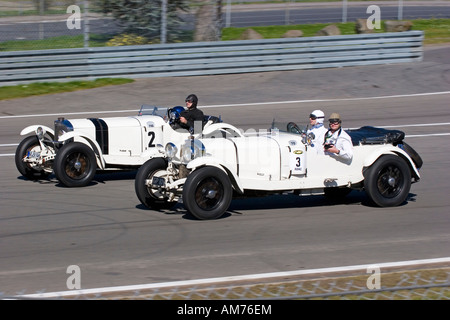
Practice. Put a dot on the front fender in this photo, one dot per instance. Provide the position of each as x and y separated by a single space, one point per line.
209 161
389 149
88 141
33 128
151 153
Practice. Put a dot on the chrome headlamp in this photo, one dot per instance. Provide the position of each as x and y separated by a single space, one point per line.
171 150
40 133
191 150
62 126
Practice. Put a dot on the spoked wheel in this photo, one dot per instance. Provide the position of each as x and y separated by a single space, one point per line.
388 181
29 145
207 193
149 196
75 165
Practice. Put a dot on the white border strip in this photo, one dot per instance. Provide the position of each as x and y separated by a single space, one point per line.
231 278
241 104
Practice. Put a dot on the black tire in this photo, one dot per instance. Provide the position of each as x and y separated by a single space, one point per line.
388 181
150 197
30 143
207 193
75 165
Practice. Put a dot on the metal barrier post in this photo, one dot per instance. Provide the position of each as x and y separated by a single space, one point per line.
86 24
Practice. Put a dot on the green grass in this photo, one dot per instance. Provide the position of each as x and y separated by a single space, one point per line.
270 32
436 30
15 13
35 89
62 42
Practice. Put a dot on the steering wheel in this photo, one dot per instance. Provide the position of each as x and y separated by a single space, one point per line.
293 128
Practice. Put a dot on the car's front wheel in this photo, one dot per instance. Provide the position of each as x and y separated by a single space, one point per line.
75 165
149 196
388 181
207 193
29 145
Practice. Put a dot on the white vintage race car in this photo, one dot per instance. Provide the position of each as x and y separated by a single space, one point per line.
224 162
75 149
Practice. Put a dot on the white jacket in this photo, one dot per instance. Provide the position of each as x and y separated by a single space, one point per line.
319 132
343 143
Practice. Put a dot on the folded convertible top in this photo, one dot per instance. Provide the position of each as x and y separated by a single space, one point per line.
374 135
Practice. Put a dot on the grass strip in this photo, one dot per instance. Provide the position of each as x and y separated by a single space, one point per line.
42 88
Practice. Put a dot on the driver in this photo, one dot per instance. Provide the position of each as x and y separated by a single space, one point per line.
191 116
317 128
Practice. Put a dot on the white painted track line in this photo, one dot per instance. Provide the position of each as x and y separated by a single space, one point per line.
260 276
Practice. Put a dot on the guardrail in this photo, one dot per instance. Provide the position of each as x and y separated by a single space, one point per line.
210 58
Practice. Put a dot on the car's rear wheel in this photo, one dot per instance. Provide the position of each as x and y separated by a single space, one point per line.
29 144
75 165
150 197
388 181
207 193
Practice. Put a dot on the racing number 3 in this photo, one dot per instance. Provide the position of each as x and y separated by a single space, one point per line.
151 134
297 160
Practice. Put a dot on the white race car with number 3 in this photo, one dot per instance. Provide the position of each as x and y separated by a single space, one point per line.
223 162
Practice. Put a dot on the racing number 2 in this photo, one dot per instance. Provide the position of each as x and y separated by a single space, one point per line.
151 134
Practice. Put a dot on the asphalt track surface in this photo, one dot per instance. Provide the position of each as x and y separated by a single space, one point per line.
115 241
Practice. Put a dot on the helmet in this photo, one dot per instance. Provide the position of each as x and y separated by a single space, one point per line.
192 98
319 115
174 114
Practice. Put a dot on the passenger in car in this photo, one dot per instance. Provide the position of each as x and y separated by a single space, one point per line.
316 119
190 117
337 142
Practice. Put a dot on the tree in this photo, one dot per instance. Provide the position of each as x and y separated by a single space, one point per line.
208 20
43 5
143 17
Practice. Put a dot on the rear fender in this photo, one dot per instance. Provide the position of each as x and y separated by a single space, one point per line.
208 161
224 126
88 141
370 159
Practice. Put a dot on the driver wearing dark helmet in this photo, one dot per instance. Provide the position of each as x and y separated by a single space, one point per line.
191 116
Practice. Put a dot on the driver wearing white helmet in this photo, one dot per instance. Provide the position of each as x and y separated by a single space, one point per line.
316 122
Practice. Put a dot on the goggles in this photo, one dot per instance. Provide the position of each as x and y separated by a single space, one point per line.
334 121
313 117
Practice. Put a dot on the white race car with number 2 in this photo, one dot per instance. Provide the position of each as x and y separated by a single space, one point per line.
76 148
